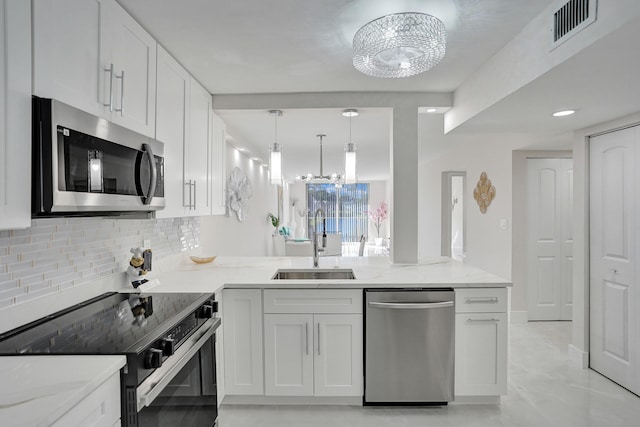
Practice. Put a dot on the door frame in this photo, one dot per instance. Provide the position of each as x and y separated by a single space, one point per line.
445 239
518 310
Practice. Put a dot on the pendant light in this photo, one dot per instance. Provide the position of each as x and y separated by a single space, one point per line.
350 175
275 153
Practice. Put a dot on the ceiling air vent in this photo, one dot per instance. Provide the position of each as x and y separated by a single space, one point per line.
571 18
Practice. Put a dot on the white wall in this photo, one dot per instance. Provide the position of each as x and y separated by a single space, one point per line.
225 235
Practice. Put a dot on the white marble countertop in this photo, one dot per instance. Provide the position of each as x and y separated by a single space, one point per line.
38 390
181 275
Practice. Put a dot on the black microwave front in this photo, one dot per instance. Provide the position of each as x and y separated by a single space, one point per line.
83 164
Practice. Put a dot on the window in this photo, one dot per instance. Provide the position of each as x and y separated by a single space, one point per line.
345 208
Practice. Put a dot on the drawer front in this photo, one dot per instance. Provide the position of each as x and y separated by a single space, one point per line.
483 300
101 408
313 301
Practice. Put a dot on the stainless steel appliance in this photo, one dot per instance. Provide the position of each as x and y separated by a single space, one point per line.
409 346
83 164
169 343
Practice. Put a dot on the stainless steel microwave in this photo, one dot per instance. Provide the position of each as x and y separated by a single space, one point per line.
83 164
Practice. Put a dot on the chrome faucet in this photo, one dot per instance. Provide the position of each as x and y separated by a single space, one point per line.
315 235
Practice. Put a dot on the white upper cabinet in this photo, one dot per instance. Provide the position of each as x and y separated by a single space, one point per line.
132 84
91 54
218 166
197 151
15 114
172 115
66 56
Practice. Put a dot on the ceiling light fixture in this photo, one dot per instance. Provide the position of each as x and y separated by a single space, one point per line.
431 110
334 178
275 153
399 45
350 175
563 113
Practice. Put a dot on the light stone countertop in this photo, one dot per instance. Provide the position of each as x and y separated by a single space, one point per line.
181 275
38 390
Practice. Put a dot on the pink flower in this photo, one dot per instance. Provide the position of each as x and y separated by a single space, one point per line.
380 214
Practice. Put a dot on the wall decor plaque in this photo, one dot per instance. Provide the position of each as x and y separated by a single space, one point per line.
239 192
484 192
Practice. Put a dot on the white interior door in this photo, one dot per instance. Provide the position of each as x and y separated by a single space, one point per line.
613 231
549 238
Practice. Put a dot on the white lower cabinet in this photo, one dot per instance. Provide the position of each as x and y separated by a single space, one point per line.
288 354
242 319
481 342
100 408
311 353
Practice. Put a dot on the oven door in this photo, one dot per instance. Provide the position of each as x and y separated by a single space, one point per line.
182 392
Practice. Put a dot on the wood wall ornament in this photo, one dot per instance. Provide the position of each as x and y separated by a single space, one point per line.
484 192
239 192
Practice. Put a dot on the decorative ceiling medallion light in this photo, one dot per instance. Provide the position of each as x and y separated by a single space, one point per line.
350 175
275 153
563 113
334 178
399 45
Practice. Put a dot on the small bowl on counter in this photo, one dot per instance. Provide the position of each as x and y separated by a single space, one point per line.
202 260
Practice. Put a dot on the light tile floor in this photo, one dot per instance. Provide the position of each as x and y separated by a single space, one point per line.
543 391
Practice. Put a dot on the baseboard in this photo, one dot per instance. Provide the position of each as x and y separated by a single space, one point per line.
578 358
292 400
519 316
476 400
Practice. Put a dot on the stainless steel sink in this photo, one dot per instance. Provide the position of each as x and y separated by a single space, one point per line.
315 274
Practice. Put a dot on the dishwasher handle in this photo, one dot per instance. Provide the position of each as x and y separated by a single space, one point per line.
410 305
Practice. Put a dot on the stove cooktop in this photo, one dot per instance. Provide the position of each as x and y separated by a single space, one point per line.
110 324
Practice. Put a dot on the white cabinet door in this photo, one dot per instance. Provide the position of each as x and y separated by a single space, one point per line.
242 318
172 117
15 114
66 53
100 408
481 354
288 354
218 166
132 51
197 154
338 361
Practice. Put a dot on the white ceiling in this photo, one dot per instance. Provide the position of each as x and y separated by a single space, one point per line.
292 46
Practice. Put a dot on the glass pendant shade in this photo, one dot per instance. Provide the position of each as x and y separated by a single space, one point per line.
399 45
350 176
275 153
275 163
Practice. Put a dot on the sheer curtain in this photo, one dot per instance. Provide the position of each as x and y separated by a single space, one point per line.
345 208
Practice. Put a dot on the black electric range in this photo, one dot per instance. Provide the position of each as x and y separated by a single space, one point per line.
166 337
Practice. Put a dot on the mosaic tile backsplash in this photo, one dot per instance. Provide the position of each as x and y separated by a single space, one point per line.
57 253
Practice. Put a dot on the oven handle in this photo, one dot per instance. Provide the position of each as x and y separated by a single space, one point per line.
161 377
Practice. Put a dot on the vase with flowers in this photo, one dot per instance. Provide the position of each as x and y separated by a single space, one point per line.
378 215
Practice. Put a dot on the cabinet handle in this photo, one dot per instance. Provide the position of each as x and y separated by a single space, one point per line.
194 194
483 320
307 336
318 338
110 103
481 300
121 109
188 184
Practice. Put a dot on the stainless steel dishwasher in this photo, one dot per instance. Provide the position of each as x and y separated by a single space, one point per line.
409 346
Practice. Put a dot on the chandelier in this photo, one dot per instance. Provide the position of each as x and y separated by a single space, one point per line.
399 45
334 178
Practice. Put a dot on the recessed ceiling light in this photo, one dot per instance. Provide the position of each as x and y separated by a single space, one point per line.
240 149
563 113
350 112
431 110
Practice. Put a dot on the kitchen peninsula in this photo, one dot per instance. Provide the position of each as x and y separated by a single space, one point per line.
272 328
